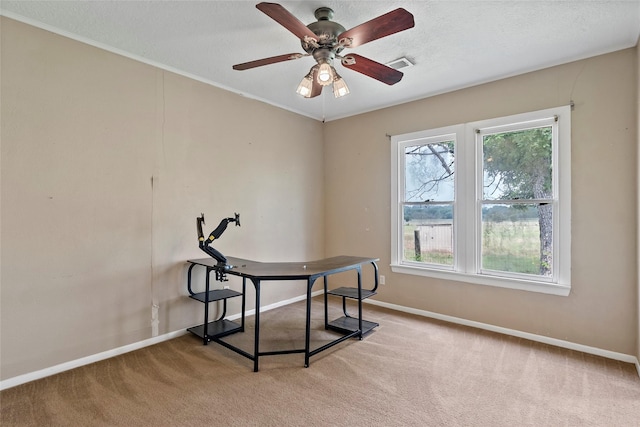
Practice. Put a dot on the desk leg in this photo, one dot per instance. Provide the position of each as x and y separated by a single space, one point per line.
326 310
307 336
244 296
205 339
256 345
359 269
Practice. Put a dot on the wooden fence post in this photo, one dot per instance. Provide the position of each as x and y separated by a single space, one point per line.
416 239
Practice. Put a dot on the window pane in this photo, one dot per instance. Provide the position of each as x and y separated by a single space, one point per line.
517 165
429 172
512 240
428 234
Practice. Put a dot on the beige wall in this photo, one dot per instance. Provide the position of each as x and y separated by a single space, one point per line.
638 183
106 162
601 310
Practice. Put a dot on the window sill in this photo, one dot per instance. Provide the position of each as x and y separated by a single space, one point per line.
501 282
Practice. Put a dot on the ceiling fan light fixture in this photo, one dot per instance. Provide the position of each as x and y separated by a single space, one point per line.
340 88
325 74
306 85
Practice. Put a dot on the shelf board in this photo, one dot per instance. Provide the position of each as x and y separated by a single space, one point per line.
350 324
218 328
351 293
216 295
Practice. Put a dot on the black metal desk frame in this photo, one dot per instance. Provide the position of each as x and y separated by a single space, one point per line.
258 272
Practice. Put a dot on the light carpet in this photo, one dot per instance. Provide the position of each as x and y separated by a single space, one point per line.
410 371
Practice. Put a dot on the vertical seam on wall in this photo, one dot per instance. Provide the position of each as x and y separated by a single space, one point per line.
155 320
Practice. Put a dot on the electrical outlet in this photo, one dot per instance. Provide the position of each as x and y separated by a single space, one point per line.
225 287
381 280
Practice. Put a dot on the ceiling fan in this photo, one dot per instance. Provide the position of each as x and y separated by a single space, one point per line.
325 40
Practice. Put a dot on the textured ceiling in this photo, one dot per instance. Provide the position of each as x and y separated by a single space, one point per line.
454 44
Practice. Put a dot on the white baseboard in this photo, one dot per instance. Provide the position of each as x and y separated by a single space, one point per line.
32 376
533 337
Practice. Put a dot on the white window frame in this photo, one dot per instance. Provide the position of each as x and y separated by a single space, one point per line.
468 202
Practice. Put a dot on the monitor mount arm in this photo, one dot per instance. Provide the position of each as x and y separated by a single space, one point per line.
215 234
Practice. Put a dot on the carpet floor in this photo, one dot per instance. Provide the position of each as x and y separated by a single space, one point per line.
409 371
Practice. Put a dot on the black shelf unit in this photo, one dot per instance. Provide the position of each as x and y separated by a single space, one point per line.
212 331
348 323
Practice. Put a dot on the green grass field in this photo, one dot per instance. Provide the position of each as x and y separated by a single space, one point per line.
512 246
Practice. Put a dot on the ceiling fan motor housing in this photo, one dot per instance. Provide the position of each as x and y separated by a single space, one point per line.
327 32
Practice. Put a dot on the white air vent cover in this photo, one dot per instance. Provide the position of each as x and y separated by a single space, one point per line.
399 63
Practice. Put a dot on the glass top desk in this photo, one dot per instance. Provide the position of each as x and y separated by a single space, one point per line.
309 271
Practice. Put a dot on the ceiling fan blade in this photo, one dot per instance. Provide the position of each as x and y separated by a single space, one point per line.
267 61
316 89
382 26
287 20
372 69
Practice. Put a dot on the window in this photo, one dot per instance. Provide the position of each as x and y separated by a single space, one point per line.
486 202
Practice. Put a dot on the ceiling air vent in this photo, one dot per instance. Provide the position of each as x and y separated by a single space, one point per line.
399 63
